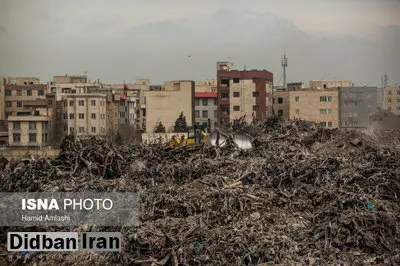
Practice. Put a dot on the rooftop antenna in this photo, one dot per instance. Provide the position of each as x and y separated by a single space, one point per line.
284 66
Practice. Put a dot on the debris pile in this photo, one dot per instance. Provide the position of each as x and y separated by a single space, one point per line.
303 194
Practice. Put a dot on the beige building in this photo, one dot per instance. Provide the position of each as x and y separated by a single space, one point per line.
31 130
320 106
84 114
209 85
391 99
281 104
165 103
328 84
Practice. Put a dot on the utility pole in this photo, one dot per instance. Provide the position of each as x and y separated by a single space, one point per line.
284 65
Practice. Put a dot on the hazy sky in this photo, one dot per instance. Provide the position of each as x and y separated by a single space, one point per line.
128 39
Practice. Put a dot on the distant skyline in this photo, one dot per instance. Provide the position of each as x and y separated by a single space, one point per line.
125 40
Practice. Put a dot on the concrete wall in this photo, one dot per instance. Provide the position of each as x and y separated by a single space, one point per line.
357 104
391 99
326 84
166 106
209 85
309 106
26 152
281 107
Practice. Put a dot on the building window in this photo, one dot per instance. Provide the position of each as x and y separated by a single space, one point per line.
32 137
224 95
297 99
53 89
215 113
329 111
197 114
71 129
322 111
71 103
236 80
329 98
65 103
65 127
73 91
44 138
8 104
8 92
71 116
40 92
255 80
32 125
81 103
29 92
17 125
93 116
323 124
280 112
19 104
389 100
19 92
389 92
205 114
81 129
297 111
255 107
45 125
50 102
398 92
81 116
8 114
322 99
256 93
93 129
215 102
398 107
197 102
236 108
94 103
329 124
236 94
205 102
389 108
280 100
16 137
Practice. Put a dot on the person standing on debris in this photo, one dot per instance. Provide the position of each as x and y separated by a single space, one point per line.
182 142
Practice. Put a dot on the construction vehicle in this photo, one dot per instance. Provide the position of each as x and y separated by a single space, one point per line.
196 136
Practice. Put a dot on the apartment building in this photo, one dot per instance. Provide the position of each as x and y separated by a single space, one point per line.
281 104
33 129
357 104
206 107
329 84
391 99
243 93
84 114
165 103
320 106
64 85
19 91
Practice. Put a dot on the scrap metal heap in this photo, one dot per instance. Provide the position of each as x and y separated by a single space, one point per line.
302 194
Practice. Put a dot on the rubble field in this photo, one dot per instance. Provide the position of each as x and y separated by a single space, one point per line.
303 195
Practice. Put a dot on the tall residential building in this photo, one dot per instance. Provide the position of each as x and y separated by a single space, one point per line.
84 114
320 106
64 85
329 84
391 99
357 104
206 108
165 103
243 93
